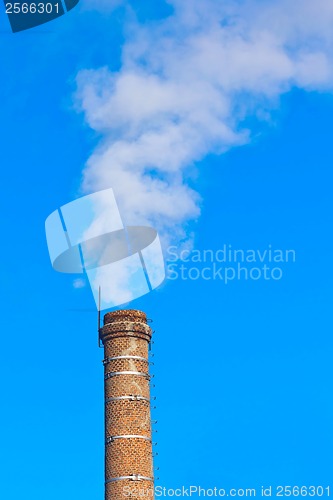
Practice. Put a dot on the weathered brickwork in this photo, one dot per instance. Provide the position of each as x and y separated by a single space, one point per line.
126 385
136 421
125 457
126 346
137 489
128 447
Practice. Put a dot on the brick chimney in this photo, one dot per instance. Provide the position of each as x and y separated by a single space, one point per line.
128 436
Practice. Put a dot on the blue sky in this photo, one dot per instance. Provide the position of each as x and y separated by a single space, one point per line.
243 371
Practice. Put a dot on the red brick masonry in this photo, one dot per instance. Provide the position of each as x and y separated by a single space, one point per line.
128 447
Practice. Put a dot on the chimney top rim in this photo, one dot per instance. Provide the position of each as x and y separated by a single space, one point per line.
133 315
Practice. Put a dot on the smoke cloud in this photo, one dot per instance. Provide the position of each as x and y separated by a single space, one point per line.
184 89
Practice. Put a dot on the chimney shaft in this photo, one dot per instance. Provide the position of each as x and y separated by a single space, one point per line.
128 437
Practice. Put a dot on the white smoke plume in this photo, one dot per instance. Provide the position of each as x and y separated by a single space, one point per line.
185 86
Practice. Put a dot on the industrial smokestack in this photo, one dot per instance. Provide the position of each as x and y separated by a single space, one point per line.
128 435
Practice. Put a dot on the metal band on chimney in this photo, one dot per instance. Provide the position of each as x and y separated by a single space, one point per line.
114 374
129 398
134 477
111 439
126 329
138 358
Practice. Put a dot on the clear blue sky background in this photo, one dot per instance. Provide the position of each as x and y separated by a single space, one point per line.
243 372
